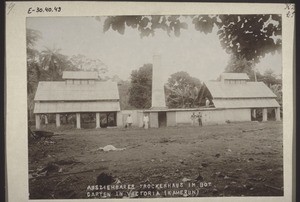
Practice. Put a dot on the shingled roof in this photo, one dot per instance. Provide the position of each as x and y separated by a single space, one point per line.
60 91
246 90
242 95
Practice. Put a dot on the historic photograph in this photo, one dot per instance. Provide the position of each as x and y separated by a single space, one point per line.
155 106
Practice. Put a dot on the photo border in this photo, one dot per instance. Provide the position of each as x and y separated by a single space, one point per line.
16 92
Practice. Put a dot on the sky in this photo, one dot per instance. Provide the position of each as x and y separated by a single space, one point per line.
199 54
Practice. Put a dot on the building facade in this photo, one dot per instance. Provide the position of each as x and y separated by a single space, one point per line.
235 91
232 99
79 92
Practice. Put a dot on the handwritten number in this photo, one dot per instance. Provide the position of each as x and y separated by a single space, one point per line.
287 6
39 10
290 10
45 9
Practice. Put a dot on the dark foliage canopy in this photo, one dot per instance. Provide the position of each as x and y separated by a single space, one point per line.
182 90
248 36
140 89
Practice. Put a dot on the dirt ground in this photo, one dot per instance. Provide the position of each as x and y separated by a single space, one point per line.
236 159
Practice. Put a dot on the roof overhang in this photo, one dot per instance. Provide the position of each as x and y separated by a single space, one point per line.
73 107
246 103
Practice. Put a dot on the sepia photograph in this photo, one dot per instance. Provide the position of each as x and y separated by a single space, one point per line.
166 105
154 106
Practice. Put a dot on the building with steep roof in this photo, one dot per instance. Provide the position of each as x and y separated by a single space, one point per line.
234 91
232 99
80 92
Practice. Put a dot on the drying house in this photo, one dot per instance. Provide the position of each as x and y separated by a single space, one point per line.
233 98
243 98
80 92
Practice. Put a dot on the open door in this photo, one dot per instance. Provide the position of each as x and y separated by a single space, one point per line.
256 114
108 119
162 119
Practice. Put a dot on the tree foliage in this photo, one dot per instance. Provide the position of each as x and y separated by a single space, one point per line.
32 36
270 79
54 63
124 87
140 89
239 64
248 36
277 90
33 73
146 25
182 90
48 65
273 81
88 64
242 65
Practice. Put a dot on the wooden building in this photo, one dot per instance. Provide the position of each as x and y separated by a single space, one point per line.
232 99
80 92
237 93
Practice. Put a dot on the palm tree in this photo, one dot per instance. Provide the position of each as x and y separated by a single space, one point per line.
33 68
53 63
32 36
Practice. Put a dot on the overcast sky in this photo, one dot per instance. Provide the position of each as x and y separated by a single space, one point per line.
196 53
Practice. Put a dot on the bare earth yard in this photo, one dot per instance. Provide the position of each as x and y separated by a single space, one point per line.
236 159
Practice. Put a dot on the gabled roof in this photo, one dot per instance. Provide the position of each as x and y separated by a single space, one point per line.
234 76
246 90
79 75
60 91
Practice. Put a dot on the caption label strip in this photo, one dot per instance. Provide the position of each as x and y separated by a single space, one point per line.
146 190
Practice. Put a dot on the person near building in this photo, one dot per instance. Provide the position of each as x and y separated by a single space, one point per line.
146 121
207 102
200 119
193 118
129 121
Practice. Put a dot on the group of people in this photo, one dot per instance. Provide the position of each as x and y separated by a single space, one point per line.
196 118
145 121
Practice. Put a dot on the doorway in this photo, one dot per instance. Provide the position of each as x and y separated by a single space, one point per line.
88 120
271 114
108 119
162 119
256 114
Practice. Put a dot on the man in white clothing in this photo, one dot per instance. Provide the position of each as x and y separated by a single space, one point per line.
129 121
207 102
146 121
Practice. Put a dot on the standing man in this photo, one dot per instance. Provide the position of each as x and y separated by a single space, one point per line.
200 119
146 121
193 118
207 102
129 121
